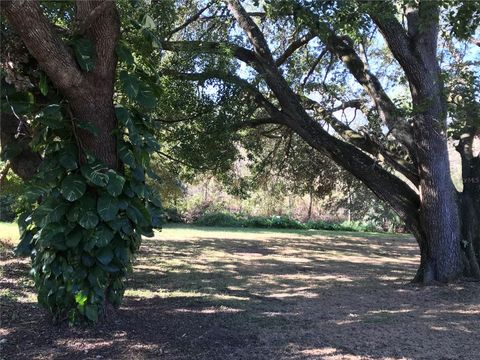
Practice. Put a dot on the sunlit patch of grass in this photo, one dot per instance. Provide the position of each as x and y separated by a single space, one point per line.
9 236
166 294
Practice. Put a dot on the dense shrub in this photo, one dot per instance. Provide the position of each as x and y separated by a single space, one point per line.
7 208
322 225
283 222
171 215
219 219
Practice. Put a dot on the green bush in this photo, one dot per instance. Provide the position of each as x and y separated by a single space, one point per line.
257 222
7 208
357 226
223 219
322 225
286 222
219 219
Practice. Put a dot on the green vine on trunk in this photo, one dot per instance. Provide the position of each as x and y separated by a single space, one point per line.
84 231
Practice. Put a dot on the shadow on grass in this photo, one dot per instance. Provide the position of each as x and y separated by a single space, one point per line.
200 294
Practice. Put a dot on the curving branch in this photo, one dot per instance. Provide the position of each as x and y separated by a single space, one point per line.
190 20
388 187
294 46
236 51
43 43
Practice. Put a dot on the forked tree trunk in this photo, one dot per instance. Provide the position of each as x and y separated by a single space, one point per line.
439 212
89 94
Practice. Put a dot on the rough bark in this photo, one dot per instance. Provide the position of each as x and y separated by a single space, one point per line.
90 94
469 200
415 51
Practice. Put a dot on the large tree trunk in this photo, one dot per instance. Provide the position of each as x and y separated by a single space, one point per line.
90 94
469 200
416 52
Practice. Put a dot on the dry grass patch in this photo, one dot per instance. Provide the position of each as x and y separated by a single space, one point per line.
206 293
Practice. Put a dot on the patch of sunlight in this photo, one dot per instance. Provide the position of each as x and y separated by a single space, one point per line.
164 294
149 347
439 328
319 351
278 314
380 312
287 259
85 344
10 234
292 293
24 298
316 278
5 332
211 310
235 288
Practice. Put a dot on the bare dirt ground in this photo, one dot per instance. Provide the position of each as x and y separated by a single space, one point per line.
218 294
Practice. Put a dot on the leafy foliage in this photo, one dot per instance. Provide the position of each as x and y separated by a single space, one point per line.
83 221
84 233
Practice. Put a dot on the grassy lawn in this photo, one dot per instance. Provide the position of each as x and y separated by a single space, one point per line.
8 235
222 293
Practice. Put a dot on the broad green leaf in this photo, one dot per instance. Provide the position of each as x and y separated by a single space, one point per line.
25 246
51 116
130 84
87 260
122 114
122 254
102 235
107 207
21 102
138 188
73 239
105 256
88 126
124 53
148 22
73 187
134 214
88 220
147 231
84 53
116 224
126 155
81 298
115 183
96 174
146 97
68 159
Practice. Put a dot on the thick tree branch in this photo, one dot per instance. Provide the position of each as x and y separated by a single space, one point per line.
475 41
364 142
387 186
254 123
4 173
260 45
294 46
229 78
43 43
314 66
88 20
189 20
236 51
104 32
342 47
